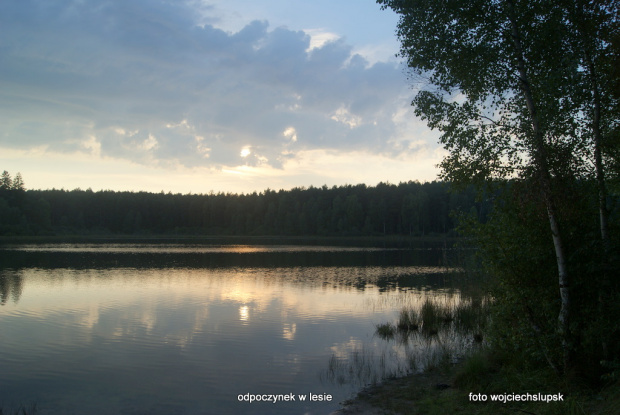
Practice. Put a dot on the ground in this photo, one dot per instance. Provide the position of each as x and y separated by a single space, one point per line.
398 396
435 393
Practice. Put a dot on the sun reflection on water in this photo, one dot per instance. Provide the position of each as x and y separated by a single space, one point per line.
265 327
244 313
289 330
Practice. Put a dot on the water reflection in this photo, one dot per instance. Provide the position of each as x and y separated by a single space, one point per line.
244 313
11 287
288 331
104 256
148 331
430 331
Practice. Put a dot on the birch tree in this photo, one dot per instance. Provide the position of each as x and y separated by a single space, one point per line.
516 89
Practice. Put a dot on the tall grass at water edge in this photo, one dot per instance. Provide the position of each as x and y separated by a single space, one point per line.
430 330
466 318
434 333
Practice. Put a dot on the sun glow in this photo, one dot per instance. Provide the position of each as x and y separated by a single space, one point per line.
245 151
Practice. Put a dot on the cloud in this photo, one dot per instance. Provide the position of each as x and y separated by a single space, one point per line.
319 37
154 82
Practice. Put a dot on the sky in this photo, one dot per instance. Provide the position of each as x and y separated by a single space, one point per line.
199 96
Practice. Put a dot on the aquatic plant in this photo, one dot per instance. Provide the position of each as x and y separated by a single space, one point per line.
433 333
385 330
362 366
408 320
430 314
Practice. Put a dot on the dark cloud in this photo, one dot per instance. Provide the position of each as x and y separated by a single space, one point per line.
148 81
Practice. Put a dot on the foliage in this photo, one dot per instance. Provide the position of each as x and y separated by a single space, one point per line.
523 91
405 209
515 250
464 62
446 389
474 370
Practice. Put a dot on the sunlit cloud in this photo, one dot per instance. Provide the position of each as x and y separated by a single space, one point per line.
319 37
291 134
92 145
343 115
201 148
178 97
149 144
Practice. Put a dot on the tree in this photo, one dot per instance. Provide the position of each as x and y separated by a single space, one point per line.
18 183
6 183
515 92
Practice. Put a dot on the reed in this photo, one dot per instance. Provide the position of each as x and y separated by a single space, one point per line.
408 320
465 318
433 333
362 366
431 315
384 330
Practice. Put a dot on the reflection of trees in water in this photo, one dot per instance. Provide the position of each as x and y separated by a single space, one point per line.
436 328
11 286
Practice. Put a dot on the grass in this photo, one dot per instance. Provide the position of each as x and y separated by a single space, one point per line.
408 320
446 372
466 318
426 337
445 389
430 315
449 360
386 331
361 367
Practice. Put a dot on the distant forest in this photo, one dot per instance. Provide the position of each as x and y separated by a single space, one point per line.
411 208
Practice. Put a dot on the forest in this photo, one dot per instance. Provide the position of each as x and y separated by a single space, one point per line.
411 208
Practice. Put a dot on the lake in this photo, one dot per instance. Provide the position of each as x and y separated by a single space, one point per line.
197 328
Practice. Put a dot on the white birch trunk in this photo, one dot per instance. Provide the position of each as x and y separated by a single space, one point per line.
541 164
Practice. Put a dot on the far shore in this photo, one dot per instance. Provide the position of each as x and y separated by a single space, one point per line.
227 239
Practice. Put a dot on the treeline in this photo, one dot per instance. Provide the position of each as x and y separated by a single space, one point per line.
410 208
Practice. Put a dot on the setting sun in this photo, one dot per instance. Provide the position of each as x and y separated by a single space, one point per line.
245 151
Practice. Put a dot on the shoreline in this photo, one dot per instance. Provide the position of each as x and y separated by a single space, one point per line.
206 238
394 394
436 391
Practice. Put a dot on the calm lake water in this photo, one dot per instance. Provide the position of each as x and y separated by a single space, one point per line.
188 328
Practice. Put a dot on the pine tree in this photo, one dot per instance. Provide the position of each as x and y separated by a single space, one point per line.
6 183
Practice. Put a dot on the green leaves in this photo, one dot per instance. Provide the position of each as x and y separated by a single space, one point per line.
524 89
470 87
